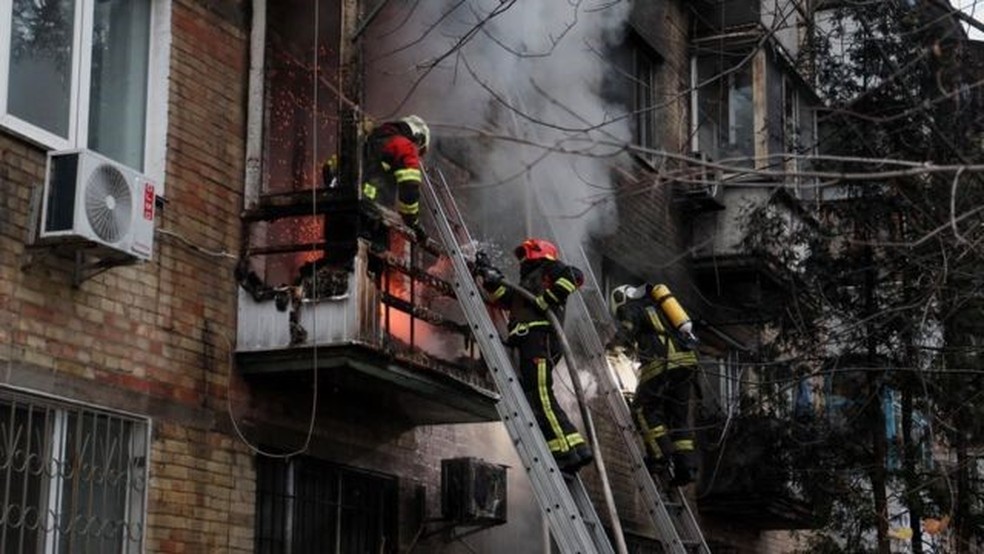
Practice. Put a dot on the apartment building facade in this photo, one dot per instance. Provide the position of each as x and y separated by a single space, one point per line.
266 379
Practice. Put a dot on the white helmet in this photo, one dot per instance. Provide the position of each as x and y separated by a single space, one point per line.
418 128
622 294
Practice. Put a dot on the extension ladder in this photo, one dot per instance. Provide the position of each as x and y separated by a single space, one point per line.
572 519
569 512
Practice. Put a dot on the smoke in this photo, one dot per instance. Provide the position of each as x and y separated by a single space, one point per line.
514 94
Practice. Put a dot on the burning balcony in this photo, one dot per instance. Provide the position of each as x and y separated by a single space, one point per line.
342 288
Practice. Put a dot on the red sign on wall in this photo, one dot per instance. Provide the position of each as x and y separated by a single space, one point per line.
148 202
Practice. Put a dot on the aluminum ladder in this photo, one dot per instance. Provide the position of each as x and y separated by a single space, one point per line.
570 515
667 507
669 512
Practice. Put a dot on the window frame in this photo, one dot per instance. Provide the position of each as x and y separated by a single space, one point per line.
725 123
283 498
645 111
158 68
53 488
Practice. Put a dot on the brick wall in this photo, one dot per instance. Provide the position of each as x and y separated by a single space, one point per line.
653 231
146 338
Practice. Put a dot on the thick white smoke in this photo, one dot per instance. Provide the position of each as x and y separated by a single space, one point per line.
508 87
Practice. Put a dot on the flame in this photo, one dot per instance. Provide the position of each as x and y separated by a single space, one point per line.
308 230
397 323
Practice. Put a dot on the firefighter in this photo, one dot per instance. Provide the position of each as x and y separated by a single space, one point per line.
392 162
551 281
653 324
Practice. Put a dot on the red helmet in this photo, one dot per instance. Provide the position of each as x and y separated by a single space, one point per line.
535 249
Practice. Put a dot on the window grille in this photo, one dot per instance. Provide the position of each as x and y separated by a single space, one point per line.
308 506
72 478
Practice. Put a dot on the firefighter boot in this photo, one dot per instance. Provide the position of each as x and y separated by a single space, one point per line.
567 461
683 471
574 459
584 454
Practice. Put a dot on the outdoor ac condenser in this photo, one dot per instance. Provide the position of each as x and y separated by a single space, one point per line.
93 201
473 491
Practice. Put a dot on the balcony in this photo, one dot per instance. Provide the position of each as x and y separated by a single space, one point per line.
745 480
732 263
371 310
786 20
697 187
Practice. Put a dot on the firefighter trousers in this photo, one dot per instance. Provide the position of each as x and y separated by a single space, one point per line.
538 355
660 407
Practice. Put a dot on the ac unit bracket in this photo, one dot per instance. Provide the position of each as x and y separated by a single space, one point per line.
87 267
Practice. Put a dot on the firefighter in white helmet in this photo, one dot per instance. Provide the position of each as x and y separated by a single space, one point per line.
393 165
653 324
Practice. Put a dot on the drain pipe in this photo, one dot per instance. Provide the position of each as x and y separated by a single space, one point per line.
586 416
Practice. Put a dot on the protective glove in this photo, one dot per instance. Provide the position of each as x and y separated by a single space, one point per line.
490 276
481 261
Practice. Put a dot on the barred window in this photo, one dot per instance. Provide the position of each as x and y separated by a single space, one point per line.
308 506
72 478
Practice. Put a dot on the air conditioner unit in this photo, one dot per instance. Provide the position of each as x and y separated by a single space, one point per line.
97 203
473 491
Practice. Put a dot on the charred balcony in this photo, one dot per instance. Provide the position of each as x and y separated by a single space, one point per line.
748 479
337 285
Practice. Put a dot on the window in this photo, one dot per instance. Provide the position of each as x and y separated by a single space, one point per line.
307 505
301 77
644 101
300 121
87 73
724 110
729 379
73 478
799 132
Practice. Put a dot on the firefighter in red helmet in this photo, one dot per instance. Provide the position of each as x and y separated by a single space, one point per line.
551 281
653 324
393 154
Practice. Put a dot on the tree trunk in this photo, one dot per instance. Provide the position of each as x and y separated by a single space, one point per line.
910 452
961 520
876 413
877 473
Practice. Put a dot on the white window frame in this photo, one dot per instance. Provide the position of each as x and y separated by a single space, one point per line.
155 124
730 382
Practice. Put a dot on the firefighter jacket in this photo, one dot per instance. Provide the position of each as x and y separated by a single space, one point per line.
393 157
550 281
644 326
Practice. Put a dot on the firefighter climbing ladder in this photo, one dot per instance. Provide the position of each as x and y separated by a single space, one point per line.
568 510
574 525
670 513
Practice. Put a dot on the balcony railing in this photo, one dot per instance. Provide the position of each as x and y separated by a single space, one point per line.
380 316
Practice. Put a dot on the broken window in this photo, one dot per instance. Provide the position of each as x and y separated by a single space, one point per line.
300 126
725 111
